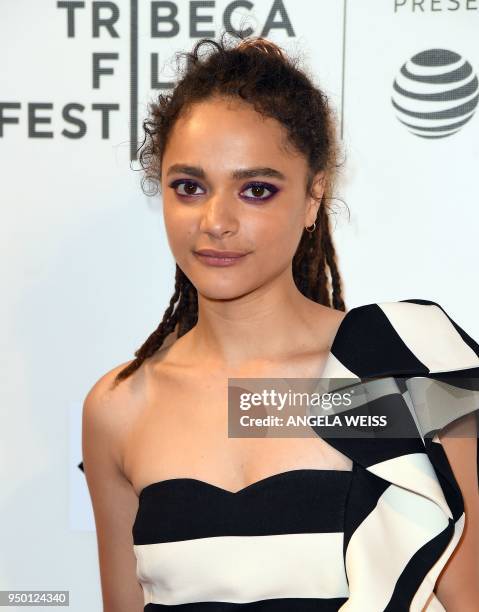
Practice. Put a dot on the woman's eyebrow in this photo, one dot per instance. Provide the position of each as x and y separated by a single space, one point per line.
240 173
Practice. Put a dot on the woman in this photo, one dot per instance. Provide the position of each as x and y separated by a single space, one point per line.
245 150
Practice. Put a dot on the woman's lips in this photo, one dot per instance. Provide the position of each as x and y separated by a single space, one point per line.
218 260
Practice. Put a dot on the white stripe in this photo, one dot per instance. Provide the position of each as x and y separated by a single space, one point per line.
413 471
335 369
240 569
427 585
429 334
383 544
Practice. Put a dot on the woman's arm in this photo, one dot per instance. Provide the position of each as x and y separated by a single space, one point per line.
457 586
113 498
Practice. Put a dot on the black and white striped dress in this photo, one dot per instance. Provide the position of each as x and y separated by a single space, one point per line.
373 539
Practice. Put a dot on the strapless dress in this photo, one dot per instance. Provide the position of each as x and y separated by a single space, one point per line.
276 544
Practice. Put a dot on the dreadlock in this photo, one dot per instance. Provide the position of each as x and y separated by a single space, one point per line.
258 71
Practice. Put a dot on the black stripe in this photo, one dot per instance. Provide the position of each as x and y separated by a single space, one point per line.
447 480
297 502
369 345
365 490
369 447
290 604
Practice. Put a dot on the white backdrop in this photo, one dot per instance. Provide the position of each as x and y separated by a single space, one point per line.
86 269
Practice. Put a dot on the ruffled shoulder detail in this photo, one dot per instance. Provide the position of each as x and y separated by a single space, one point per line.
405 511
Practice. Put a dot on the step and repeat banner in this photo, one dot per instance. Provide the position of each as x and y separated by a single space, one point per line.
87 272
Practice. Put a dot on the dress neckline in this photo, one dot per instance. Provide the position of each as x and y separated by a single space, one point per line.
326 472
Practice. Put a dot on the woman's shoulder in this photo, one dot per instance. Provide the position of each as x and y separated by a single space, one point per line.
110 411
105 401
104 388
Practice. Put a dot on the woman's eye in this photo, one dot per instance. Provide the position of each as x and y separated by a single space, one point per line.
258 190
189 187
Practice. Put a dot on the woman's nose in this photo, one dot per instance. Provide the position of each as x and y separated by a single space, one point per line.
219 215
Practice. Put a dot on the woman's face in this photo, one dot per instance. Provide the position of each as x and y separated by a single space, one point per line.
229 183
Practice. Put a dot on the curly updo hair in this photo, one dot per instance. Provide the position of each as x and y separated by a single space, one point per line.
259 72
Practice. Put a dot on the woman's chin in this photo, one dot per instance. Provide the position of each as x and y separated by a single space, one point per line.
223 291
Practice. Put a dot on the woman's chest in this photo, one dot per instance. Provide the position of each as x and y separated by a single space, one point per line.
182 430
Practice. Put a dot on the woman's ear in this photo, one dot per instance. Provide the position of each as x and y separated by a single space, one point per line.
317 190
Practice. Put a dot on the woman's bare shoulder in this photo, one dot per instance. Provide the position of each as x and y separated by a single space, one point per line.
105 389
114 405
106 406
